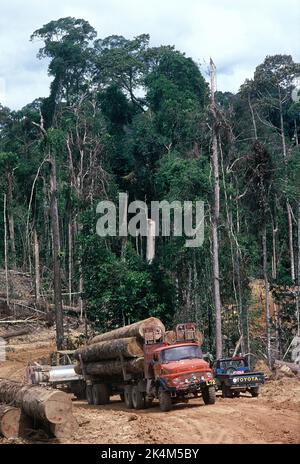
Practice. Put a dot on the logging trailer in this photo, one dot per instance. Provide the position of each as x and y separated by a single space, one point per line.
61 376
171 373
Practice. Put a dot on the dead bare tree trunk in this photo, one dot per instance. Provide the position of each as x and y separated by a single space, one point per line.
215 215
298 274
291 244
70 258
253 117
288 206
56 256
5 250
267 306
11 222
36 250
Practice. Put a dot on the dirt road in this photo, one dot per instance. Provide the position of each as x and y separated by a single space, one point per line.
273 417
238 420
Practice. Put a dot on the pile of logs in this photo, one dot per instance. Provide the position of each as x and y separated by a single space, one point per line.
27 407
109 353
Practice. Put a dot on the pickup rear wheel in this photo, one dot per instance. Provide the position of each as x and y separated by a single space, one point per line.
226 392
138 399
254 391
165 401
100 393
209 395
128 396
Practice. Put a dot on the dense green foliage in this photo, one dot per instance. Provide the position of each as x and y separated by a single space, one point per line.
126 117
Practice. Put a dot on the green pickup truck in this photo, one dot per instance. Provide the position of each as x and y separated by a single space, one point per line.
233 376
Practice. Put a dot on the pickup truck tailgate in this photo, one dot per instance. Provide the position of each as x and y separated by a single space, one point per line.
249 379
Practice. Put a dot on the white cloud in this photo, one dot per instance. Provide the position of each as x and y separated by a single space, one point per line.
237 34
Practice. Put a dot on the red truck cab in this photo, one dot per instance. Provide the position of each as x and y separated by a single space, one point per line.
178 372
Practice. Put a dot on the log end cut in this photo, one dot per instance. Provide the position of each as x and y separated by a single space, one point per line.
10 420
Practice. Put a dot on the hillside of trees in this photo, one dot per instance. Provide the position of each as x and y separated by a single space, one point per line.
123 116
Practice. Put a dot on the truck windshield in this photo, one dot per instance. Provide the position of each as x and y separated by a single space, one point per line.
233 363
181 352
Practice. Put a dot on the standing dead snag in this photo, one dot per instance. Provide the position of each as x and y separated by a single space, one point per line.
216 214
56 256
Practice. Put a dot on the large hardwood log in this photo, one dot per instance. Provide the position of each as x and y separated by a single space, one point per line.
134 330
10 420
110 349
108 369
14 333
37 402
66 430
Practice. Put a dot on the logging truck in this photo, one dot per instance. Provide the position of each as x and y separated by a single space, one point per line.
171 373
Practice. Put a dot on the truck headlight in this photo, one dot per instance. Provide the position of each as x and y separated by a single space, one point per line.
209 375
176 380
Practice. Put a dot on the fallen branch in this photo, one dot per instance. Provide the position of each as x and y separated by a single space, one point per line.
14 333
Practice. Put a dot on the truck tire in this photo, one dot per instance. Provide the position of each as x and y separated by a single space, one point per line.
78 389
138 399
209 395
100 393
122 397
89 394
254 392
165 401
128 396
226 392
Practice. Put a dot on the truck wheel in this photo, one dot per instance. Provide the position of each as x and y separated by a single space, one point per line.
89 394
254 391
165 401
138 399
100 393
122 397
226 392
128 396
209 395
79 390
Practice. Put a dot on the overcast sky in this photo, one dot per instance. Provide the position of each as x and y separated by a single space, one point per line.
237 34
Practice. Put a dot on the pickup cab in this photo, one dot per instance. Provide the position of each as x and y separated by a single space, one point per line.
233 376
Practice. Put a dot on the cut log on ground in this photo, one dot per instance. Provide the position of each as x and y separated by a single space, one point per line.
14 333
110 349
37 402
66 430
134 330
111 368
295 368
10 421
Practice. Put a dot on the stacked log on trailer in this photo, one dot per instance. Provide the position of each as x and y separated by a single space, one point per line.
51 409
109 353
